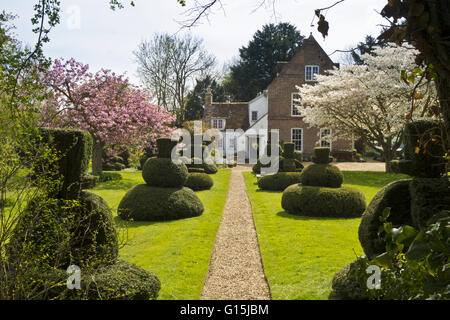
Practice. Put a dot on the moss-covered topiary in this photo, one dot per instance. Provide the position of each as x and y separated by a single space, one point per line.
147 203
298 155
323 202
74 149
323 175
395 196
58 233
345 285
279 181
287 165
199 181
89 181
163 172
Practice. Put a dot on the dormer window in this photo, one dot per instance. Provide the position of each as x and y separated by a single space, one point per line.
218 124
310 73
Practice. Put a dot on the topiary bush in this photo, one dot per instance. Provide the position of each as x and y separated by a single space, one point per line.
147 203
322 155
110 176
165 146
89 181
163 172
74 149
324 175
346 284
199 181
279 181
59 233
210 168
395 196
298 156
120 281
289 148
323 202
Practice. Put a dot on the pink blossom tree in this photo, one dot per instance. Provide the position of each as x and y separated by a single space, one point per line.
107 105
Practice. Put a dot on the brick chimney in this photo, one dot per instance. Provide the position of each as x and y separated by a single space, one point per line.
208 98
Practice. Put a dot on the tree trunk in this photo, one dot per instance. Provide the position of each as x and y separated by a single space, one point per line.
388 154
97 153
444 100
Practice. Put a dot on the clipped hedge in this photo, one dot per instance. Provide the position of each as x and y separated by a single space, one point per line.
395 196
279 181
322 175
289 149
199 181
345 285
165 146
59 233
322 155
147 203
298 155
89 181
163 172
120 281
74 147
323 202
210 168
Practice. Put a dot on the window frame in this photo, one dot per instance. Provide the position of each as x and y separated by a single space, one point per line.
254 112
292 105
301 140
312 72
331 135
217 120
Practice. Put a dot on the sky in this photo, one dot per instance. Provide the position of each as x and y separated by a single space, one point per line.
94 34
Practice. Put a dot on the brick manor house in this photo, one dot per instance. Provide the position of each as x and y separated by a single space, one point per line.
274 108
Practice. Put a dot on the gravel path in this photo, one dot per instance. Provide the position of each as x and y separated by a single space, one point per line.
236 271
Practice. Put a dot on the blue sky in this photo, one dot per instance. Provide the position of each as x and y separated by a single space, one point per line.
92 33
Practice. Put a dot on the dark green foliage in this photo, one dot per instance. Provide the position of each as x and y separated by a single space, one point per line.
142 161
323 202
163 172
110 176
395 196
147 203
256 67
322 155
89 181
423 146
165 146
298 165
344 155
368 46
428 196
210 168
58 233
120 281
269 150
199 181
113 166
322 175
196 170
7 202
195 163
196 98
287 165
289 148
279 181
74 150
116 159
347 286
298 156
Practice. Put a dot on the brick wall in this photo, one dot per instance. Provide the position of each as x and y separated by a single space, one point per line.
280 91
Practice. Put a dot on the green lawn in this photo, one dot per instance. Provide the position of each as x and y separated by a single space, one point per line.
301 254
177 251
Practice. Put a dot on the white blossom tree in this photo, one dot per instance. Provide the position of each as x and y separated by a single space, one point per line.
370 100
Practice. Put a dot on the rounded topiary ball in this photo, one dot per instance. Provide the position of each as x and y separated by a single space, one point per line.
210 168
147 203
279 181
323 202
322 175
163 172
395 196
199 181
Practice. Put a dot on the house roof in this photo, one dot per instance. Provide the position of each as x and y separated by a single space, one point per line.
235 113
